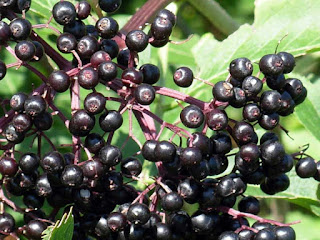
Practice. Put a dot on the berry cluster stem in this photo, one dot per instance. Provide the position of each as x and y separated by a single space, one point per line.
238 214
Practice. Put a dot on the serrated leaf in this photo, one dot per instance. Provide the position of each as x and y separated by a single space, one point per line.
303 192
63 229
273 20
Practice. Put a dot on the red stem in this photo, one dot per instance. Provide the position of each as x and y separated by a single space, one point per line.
238 214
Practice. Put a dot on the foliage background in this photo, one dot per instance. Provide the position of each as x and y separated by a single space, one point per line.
208 53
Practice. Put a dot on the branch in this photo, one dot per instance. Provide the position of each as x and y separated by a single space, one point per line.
180 96
216 15
238 214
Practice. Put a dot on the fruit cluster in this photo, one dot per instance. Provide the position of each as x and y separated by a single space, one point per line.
104 205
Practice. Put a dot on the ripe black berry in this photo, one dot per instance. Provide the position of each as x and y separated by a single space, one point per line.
110 46
94 103
217 119
76 28
239 99
94 142
138 213
165 151
287 104
131 167
162 231
110 6
17 101
116 221
294 87
137 40
251 112
221 143
144 94
249 205
276 82
29 162
35 105
3 70
272 152
22 122
192 116
93 169
72 175
107 71
99 57
270 101
66 42
23 5
7 3
148 149
203 222
5 32
158 43
32 200
161 28
223 91
250 152
7 223
240 68
284 233
183 77
20 28
110 155
39 51
252 86
166 14
269 121
87 46
200 141
64 12
190 156
25 50
133 75
88 78
151 73
43 121
243 133
110 121
8 167
102 229
107 27
306 167
271 65
34 229
59 81
171 202
42 186
288 61
83 9
81 123
12 135
229 235
302 96
52 162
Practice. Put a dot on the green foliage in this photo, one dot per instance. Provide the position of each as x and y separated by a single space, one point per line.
309 112
63 229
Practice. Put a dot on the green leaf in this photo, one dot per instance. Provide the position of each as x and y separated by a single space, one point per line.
63 229
273 20
303 192
309 111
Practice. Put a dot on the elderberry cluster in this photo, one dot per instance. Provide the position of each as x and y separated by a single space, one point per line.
105 205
